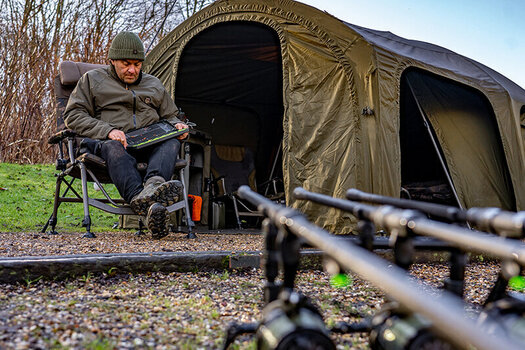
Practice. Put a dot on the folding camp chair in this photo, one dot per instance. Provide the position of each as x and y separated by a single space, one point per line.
232 167
88 167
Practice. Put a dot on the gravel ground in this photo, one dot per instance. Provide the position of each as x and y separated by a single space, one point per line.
173 310
34 244
181 310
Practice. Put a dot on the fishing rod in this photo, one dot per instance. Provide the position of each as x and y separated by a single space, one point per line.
503 223
410 220
445 312
402 221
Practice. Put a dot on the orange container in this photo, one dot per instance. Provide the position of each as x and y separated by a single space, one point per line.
196 207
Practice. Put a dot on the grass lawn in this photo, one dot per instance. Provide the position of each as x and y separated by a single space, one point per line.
26 201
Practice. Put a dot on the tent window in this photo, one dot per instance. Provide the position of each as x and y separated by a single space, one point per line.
459 158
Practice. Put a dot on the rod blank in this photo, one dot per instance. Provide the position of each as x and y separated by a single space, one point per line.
401 220
495 220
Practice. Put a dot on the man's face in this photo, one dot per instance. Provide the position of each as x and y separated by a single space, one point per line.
127 70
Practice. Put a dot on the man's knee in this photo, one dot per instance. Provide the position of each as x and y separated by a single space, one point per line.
112 144
113 149
172 144
169 149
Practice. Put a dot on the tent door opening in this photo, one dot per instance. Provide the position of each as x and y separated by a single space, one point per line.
459 160
229 82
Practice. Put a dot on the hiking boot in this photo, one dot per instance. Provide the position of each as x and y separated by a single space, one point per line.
142 201
156 190
157 220
169 192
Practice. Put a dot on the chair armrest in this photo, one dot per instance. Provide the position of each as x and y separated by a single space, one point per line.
181 164
59 136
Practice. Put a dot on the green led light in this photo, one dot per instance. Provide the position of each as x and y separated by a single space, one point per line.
340 280
517 283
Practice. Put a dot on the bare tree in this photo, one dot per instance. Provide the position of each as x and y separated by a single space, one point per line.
36 35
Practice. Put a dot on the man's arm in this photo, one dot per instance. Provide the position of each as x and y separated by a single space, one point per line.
80 112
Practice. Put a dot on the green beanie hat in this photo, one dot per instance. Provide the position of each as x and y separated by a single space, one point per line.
126 46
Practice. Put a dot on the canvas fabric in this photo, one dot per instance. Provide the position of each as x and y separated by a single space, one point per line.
341 92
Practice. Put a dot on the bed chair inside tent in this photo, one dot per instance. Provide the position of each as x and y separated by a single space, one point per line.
292 96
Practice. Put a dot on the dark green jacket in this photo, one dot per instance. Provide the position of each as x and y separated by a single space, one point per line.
101 102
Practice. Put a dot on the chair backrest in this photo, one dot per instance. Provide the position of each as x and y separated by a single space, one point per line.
236 164
66 80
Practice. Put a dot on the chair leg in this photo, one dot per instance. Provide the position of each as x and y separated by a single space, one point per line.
189 221
236 209
85 201
140 232
52 221
53 218
87 224
191 234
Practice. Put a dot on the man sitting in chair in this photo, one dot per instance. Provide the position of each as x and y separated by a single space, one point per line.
106 103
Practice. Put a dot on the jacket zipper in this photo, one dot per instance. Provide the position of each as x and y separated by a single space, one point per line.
134 109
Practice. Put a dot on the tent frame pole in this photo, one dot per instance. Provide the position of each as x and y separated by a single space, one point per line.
426 123
279 150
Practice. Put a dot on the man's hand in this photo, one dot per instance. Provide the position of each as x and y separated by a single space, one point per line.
181 126
119 136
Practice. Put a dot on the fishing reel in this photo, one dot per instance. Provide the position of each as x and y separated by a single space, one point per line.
290 322
509 313
396 329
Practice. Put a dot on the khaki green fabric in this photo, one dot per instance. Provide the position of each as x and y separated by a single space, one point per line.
101 102
128 221
460 121
332 72
126 46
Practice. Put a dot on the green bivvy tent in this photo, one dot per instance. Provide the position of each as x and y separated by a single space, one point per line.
342 106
